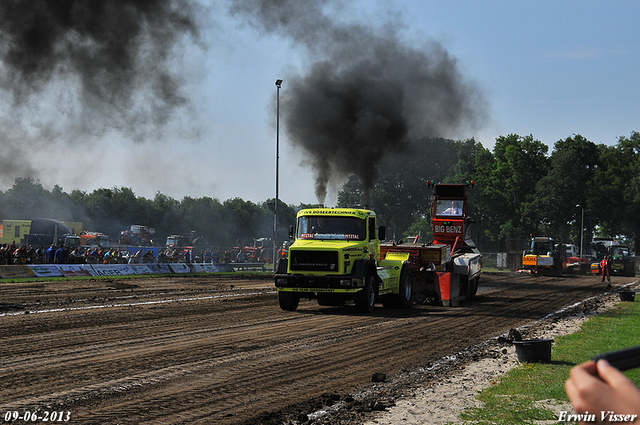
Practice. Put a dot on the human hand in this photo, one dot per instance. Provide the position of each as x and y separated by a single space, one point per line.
603 391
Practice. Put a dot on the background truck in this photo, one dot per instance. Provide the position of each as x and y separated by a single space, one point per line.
623 262
184 241
261 251
95 239
137 235
40 231
542 257
47 231
178 241
573 262
446 270
335 258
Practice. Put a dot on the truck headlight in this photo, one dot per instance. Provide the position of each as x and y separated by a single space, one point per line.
281 281
345 282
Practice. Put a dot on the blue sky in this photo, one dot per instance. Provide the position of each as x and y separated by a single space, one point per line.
546 68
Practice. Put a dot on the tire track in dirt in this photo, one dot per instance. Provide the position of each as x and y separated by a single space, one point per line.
231 361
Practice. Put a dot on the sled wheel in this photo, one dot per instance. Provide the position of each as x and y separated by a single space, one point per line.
406 288
473 288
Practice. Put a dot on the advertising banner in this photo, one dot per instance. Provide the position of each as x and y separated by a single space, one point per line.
206 268
75 270
198 268
112 269
16 272
46 270
140 268
179 267
159 268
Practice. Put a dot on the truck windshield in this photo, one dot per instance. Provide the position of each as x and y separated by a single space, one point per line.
540 247
449 207
328 227
619 252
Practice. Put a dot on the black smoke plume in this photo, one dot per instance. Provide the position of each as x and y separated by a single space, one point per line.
115 55
366 92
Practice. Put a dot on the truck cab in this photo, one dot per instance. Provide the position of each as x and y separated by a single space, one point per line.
623 262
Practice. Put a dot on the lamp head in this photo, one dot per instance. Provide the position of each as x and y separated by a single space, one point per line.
278 83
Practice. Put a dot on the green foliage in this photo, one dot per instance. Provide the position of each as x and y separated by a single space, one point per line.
351 193
507 185
422 227
111 210
401 197
520 190
557 194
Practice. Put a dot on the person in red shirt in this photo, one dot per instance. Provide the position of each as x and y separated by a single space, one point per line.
605 268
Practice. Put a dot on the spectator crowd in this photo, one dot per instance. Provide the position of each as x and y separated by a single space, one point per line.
13 254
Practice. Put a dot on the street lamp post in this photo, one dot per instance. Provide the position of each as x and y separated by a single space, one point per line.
592 170
275 219
581 230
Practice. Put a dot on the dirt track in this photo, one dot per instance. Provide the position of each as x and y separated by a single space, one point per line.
218 350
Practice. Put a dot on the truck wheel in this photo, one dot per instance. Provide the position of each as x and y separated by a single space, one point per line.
406 288
288 301
630 271
473 288
366 299
404 297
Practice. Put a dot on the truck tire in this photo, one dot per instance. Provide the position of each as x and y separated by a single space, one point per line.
473 288
366 299
629 270
404 297
288 300
282 266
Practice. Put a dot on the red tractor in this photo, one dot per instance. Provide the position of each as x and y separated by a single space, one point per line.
137 235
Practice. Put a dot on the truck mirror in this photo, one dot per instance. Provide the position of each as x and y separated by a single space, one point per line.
290 232
382 233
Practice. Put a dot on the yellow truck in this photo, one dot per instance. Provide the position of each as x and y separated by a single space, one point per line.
15 231
335 258
41 231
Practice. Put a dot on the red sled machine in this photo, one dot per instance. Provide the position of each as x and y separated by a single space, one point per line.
446 270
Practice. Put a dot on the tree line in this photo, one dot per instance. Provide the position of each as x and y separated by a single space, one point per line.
520 190
110 211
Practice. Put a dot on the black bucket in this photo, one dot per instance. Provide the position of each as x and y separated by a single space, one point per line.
627 295
534 350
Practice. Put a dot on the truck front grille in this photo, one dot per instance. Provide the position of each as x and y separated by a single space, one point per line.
314 261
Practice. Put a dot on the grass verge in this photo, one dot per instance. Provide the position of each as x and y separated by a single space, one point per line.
521 395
